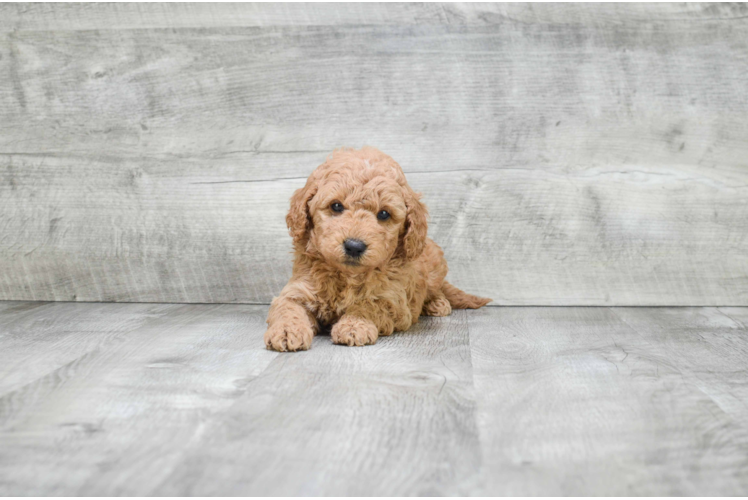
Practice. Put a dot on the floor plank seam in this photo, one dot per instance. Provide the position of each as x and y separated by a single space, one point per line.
476 412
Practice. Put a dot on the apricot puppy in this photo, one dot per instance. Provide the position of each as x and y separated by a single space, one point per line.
363 263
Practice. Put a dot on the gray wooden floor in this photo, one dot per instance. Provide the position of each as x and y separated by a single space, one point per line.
167 399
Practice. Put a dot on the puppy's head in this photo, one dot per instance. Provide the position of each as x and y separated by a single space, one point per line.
357 212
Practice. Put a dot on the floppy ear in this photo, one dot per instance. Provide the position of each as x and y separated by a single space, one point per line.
298 220
413 239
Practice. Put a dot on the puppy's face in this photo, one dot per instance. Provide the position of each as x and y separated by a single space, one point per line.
357 220
357 212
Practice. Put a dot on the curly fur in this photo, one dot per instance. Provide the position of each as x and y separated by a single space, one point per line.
399 277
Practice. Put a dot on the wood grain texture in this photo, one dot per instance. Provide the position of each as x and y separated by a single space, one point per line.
125 390
39 338
594 154
77 16
158 409
563 236
158 399
574 401
396 419
712 345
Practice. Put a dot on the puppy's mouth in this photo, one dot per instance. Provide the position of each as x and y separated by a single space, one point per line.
353 262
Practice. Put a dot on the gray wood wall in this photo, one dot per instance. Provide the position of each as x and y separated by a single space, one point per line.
570 154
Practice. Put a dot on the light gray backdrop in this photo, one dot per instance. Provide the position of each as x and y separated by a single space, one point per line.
570 154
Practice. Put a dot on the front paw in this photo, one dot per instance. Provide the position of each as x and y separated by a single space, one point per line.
354 331
289 337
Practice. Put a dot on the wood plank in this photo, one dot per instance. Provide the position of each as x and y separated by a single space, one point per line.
573 401
456 97
119 415
81 16
595 161
396 418
37 339
600 235
712 345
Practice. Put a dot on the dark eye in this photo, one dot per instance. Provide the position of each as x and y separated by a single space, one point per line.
337 207
383 215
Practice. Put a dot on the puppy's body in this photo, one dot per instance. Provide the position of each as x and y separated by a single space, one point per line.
359 200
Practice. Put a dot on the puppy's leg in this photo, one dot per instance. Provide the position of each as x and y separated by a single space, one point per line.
291 326
437 305
354 330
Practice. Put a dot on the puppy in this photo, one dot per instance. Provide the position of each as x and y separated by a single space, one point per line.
363 263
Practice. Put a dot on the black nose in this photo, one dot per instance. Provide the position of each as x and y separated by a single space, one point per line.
354 248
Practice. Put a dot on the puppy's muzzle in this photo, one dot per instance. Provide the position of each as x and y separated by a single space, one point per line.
354 248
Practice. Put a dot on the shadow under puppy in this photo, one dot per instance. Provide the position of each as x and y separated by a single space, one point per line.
363 263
